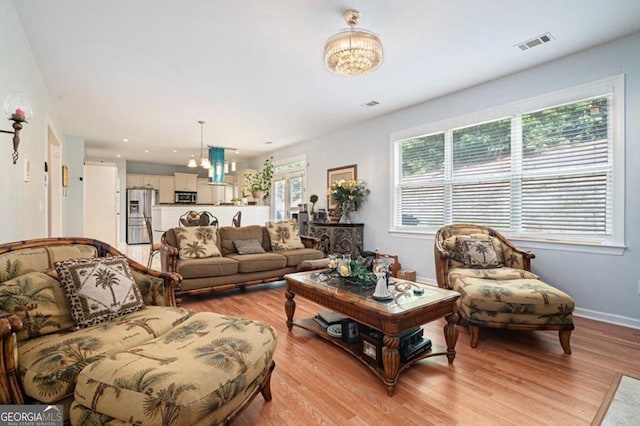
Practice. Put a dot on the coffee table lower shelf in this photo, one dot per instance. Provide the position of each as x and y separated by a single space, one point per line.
355 349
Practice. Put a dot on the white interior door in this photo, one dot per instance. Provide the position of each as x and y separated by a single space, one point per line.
288 193
101 202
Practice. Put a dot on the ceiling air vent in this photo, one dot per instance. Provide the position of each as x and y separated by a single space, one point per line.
541 39
371 104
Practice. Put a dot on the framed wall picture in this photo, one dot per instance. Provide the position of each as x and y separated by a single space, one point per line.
338 173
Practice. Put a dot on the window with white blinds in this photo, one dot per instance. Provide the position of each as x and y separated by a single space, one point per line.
535 172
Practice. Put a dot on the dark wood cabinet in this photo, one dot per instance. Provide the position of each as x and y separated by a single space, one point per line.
338 238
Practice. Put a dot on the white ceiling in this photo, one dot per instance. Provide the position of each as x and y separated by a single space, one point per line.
148 70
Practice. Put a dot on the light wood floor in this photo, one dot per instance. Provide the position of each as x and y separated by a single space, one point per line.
518 378
511 378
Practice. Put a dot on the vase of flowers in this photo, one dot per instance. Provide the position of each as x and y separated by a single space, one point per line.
348 195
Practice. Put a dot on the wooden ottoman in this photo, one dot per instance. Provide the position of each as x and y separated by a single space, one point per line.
203 371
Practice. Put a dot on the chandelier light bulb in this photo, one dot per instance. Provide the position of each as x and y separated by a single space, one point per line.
353 52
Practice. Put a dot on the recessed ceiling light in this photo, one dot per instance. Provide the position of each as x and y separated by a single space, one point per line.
118 155
370 104
125 140
175 150
268 142
146 151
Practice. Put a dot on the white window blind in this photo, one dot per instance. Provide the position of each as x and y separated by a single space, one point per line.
567 169
421 189
539 172
481 173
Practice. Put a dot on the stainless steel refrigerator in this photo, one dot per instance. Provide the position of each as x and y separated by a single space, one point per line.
139 203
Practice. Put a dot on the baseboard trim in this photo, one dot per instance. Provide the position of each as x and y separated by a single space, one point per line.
579 312
608 318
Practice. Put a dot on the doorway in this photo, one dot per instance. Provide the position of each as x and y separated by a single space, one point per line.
288 193
53 181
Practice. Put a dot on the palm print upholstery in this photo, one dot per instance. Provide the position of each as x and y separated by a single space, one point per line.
197 373
284 235
197 242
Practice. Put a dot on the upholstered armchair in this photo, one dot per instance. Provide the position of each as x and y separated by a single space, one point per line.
497 288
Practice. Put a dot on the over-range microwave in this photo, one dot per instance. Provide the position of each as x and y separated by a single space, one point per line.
185 197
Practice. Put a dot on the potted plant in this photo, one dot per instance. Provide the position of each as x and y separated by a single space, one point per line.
259 182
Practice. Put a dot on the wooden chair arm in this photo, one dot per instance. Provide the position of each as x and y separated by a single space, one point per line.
10 389
310 242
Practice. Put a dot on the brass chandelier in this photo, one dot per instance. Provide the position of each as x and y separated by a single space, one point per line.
353 52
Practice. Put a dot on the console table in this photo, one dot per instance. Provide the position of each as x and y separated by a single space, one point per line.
338 238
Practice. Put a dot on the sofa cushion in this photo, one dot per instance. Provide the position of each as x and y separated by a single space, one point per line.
197 373
248 246
259 262
39 301
49 364
229 234
99 289
491 274
209 267
197 242
295 257
284 235
524 301
40 259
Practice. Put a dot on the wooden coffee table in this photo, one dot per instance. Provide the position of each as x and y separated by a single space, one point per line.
391 318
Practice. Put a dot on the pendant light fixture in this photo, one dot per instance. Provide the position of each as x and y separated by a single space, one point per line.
353 51
204 161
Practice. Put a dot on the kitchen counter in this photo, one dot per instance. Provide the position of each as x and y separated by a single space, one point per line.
165 216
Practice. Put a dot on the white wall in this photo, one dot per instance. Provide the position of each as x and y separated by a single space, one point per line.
22 211
604 286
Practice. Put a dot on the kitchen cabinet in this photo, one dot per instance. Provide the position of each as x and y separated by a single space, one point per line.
166 190
152 181
143 181
209 193
134 181
185 182
205 193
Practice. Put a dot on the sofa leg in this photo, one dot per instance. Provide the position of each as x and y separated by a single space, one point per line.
565 335
474 334
265 390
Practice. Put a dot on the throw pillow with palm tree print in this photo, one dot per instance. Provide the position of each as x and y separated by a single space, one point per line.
99 289
478 252
284 235
197 242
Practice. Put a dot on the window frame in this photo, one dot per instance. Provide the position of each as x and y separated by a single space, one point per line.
614 85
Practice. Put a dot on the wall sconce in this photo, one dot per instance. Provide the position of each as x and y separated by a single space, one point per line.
18 110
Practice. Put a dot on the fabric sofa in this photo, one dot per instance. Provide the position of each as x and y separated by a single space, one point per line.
277 250
140 364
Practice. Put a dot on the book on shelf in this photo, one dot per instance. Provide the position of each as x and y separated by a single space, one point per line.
321 322
331 317
414 350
